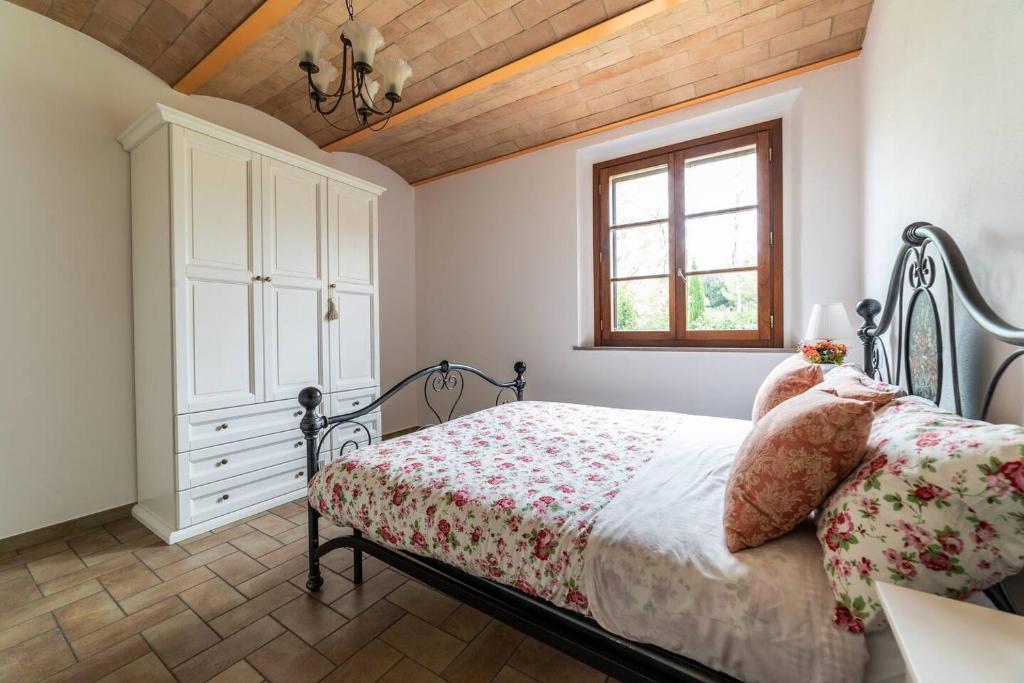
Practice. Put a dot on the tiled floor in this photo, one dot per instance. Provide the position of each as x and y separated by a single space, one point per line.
117 604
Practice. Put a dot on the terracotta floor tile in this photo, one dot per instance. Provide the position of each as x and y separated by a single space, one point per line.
147 668
367 665
164 590
296 533
284 553
367 593
287 659
36 658
25 630
160 555
351 637
114 633
123 526
51 567
212 598
485 656
13 572
426 603
35 552
289 509
256 543
510 675
17 592
48 604
87 615
92 541
91 572
180 638
548 665
246 613
200 559
99 665
236 568
270 524
273 577
129 580
309 619
465 623
428 645
226 653
371 567
408 671
242 672
338 561
198 545
137 541
335 585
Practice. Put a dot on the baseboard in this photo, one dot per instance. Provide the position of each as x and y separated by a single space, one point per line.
400 432
63 529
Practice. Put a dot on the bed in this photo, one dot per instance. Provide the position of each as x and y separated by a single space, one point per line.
598 530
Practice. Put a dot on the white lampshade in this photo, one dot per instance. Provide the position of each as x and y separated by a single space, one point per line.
328 74
829 321
365 38
309 40
370 90
394 73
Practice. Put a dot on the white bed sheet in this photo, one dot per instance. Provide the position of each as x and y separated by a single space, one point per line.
657 570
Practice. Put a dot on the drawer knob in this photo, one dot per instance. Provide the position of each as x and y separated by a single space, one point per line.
221 427
298 475
222 462
298 443
355 403
223 498
297 413
333 286
356 430
266 279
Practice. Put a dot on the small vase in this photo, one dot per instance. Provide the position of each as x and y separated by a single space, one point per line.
827 367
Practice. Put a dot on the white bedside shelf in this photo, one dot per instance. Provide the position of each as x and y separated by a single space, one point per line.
948 641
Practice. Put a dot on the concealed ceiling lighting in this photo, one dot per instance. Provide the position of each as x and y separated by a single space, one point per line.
359 44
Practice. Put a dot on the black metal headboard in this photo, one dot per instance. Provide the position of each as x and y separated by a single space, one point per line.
914 302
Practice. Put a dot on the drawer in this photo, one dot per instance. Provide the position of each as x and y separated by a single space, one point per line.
350 431
213 427
212 500
346 401
206 465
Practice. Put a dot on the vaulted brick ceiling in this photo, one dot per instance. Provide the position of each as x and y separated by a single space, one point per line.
676 51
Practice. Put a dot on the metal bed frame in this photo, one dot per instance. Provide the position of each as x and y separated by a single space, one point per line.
583 638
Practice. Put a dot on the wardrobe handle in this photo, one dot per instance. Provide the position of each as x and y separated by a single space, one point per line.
257 278
298 475
221 462
223 498
297 413
221 427
298 443
333 286
266 279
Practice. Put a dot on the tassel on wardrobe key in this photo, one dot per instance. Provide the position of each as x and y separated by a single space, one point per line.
332 308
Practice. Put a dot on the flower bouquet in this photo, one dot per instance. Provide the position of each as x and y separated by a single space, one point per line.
824 352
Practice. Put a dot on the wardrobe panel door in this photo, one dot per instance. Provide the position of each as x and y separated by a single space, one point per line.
352 264
294 267
218 302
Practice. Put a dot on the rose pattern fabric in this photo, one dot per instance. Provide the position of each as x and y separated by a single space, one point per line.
792 458
510 493
789 378
937 505
849 381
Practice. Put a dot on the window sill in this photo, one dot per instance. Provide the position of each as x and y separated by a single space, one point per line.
688 349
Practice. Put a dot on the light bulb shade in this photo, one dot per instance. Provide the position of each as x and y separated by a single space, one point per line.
327 74
309 40
829 321
394 73
365 39
370 90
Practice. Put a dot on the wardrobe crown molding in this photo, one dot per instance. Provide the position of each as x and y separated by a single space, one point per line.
161 114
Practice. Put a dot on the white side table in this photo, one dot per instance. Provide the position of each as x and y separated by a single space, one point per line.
949 641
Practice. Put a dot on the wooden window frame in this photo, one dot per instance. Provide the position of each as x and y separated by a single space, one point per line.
767 137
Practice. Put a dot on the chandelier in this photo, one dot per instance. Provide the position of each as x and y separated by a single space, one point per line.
359 77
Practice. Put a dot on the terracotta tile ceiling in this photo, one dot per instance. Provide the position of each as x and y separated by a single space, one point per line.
686 50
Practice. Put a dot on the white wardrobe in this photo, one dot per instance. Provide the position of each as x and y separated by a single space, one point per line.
237 247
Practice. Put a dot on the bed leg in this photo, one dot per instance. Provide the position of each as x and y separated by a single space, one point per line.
311 424
314 580
357 560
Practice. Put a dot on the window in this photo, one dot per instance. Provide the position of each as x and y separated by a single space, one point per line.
690 243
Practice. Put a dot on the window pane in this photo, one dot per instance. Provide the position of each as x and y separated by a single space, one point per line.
640 305
723 301
727 240
640 196
721 181
640 251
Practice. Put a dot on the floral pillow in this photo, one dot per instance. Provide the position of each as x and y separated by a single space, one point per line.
849 381
937 505
789 378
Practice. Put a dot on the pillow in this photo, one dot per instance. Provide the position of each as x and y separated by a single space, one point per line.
789 462
789 378
937 506
849 381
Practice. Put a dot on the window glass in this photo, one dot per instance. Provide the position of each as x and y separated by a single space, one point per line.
722 301
640 251
720 241
640 196
721 181
640 305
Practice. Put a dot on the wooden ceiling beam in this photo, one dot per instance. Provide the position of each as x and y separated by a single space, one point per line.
244 35
596 33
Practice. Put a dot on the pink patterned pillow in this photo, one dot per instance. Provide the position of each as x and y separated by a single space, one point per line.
789 378
937 505
789 462
849 381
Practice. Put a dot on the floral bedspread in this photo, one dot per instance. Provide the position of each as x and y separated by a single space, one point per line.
510 493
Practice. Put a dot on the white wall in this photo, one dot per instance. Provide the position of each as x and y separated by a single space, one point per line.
67 408
503 253
944 142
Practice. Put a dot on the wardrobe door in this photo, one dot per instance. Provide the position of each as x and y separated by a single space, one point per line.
294 287
352 269
218 317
